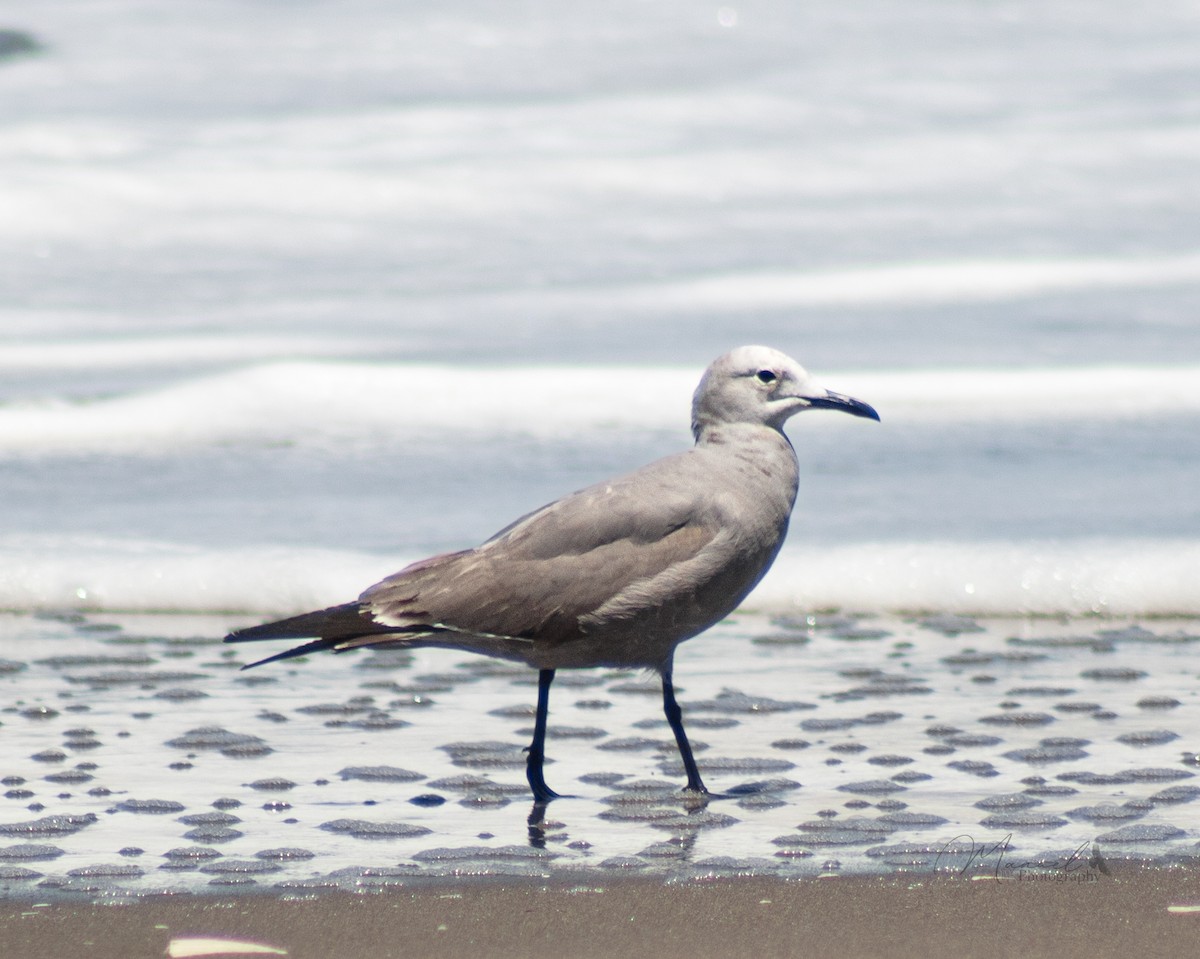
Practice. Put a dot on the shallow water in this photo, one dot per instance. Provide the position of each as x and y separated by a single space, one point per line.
137 758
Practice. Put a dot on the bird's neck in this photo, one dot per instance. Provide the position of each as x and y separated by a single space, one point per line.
755 442
731 434
758 459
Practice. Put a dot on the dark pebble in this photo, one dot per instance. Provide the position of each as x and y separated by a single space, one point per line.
1142 832
212 834
362 829
106 871
153 807
29 852
240 867
974 767
49 826
285 854
872 787
192 854
1121 674
276 784
1021 819
1149 737
380 774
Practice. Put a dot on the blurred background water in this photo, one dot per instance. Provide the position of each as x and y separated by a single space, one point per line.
294 293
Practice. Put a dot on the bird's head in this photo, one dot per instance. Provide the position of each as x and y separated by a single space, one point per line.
759 385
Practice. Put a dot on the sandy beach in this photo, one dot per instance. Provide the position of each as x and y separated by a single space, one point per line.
1136 912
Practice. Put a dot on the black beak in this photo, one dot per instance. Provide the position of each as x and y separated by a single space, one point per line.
847 404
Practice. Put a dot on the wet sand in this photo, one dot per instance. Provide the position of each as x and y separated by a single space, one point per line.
1135 913
936 784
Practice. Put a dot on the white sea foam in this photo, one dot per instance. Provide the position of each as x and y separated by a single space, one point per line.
98 573
299 402
1118 577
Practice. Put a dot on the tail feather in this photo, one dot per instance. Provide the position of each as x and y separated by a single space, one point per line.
336 622
335 628
316 646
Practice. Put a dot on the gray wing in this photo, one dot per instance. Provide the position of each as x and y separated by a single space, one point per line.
566 567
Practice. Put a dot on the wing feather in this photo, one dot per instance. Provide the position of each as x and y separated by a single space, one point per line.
544 575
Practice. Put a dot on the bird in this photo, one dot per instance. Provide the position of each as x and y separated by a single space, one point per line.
614 575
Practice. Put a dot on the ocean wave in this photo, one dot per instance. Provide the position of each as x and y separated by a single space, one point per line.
151 352
909 284
1106 577
310 401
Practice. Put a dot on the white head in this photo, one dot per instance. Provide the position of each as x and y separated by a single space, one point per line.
759 385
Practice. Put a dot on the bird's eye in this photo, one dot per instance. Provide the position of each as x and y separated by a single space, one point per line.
766 376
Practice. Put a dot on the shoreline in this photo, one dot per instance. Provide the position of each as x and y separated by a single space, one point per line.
1132 910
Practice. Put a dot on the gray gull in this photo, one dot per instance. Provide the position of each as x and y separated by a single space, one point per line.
614 575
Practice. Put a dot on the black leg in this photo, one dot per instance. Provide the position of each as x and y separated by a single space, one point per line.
537 749
675 718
